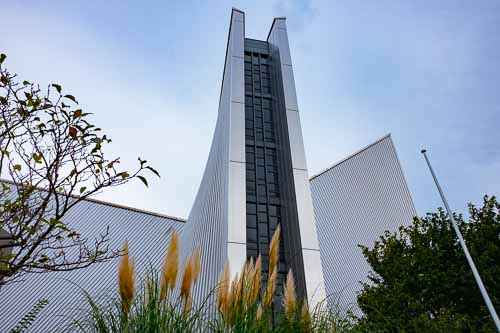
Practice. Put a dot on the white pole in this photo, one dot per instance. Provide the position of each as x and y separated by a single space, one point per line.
479 282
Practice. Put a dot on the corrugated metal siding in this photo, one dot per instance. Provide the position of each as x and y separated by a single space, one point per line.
355 201
148 236
207 222
207 225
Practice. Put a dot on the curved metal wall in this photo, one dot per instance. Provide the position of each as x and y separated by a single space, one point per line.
355 201
216 223
148 236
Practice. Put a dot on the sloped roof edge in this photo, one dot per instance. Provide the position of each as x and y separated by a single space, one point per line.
115 205
350 156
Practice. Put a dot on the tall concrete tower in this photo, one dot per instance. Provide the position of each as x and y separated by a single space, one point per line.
256 176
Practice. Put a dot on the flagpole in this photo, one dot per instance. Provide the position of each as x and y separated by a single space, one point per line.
479 282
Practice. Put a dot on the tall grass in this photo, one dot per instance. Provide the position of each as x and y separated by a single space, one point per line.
243 303
154 306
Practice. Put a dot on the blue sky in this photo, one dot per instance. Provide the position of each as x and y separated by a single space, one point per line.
426 71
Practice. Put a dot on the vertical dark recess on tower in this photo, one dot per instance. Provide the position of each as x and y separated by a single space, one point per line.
270 196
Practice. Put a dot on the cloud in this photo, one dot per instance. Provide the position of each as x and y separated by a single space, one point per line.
425 71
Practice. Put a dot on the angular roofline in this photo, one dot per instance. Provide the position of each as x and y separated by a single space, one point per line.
115 205
350 156
272 25
233 9
238 10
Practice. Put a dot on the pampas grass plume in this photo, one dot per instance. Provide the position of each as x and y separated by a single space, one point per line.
289 297
170 266
271 287
306 318
187 278
223 289
258 314
274 250
126 279
256 277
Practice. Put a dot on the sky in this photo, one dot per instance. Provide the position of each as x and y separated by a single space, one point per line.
427 72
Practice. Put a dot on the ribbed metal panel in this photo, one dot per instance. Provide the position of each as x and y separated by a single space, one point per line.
355 201
148 236
217 218
207 222
305 237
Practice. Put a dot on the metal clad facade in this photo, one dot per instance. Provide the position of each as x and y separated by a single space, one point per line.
355 201
269 179
278 40
148 236
216 223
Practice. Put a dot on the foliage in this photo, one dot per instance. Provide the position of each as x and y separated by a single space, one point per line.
49 151
154 307
243 303
421 281
27 320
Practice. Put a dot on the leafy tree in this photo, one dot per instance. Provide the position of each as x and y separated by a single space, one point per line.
49 151
421 281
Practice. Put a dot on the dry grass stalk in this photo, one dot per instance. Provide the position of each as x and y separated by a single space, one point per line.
187 306
170 266
126 279
223 290
258 314
246 283
274 250
234 293
273 267
257 272
187 279
241 280
290 297
306 318
149 289
271 287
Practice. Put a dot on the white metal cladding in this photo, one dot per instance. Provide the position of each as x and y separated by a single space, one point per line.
355 201
218 217
278 39
148 235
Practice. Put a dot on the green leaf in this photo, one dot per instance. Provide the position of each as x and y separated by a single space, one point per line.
29 229
2 58
8 256
43 258
57 86
145 182
77 114
54 222
82 189
37 158
17 167
124 175
153 170
71 97
26 82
